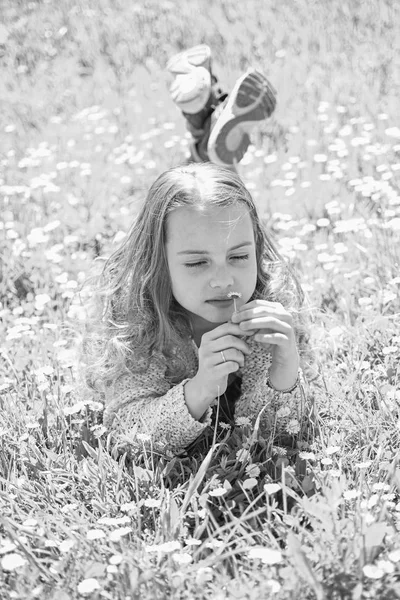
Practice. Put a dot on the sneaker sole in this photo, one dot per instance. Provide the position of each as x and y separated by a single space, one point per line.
253 99
197 56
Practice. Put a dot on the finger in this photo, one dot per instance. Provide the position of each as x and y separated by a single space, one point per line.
231 341
272 323
260 303
278 339
251 313
225 368
228 355
224 329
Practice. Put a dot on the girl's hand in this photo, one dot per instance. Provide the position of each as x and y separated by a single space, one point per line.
271 324
221 352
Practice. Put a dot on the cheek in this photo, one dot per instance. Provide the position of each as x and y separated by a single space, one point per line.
173 276
181 282
253 276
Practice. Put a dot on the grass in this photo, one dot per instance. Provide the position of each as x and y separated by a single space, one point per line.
86 125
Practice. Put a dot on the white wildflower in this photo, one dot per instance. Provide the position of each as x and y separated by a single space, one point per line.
166 547
386 566
279 450
95 534
6 546
332 450
253 470
274 586
242 455
307 456
393 132
242 421
182 559
73 410
143 437
114 521
272 488
380 486
31 523
203 575
364 465
45 370
283 412
41 300
351 494
69 508
128 507
394 556
193 542
112 569
117 534
37 236
217 492
152 503
293 427
373 572
12 561
248 484
87 586
267 555
214 544
95 406
334 472
66 545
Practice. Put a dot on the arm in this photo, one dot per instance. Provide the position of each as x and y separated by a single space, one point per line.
145 403
284 413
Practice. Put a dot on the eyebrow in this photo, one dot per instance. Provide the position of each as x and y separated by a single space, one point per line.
241 245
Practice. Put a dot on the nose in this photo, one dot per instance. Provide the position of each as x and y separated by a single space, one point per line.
221 278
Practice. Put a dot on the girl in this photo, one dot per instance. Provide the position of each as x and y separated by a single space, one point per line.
168 339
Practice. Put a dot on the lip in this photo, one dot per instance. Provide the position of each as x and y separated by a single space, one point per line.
219 299
221 302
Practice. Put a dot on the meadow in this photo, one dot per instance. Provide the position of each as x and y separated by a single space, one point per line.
86 124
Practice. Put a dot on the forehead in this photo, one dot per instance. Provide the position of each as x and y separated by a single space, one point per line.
189 227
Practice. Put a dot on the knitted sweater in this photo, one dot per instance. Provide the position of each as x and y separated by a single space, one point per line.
144 401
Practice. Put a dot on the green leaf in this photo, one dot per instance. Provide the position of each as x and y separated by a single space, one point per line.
303 567
95 569
60 595
194 484
374 535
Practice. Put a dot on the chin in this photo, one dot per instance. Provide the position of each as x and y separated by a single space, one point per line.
216 320
201 317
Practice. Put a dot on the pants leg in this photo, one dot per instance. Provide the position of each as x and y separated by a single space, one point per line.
199 125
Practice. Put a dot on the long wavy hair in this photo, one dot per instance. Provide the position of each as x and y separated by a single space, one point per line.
134 313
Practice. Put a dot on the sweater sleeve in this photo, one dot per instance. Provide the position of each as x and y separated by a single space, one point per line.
145 403
282 413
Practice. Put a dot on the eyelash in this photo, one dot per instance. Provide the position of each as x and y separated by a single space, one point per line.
203 262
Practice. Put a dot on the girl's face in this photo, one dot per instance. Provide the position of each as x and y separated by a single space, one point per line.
211 253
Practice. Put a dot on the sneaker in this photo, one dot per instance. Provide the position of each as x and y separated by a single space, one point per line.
191 90
199 155
198 56
252 99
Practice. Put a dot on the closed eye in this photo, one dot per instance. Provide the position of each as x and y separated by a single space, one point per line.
195 264
240 257
200 263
